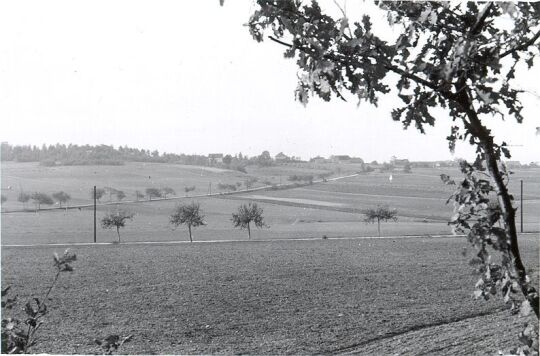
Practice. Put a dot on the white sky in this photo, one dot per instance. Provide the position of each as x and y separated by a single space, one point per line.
186 77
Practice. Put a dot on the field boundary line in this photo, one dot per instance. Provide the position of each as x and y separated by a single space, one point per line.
434 236
231 240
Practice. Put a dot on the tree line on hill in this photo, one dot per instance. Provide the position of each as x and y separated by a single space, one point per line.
77 155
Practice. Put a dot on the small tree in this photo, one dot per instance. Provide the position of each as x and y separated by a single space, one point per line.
112 191
116 220
41 198
61 197
120 195
138 195
189 189
153 192
166 191
23 198
246 214
249 182
189 215
100 192
381 213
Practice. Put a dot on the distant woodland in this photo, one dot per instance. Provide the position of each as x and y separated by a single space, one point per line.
69 155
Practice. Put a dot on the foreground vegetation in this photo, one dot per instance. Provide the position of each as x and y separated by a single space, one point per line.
373 296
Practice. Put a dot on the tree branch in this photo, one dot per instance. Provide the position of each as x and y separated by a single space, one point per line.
390 67
522 46
481 20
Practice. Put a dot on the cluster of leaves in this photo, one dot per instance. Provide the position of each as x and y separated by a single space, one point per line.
247 214
41 198
61 197
153 193
189 215
381 213
116 220
447 180
478 215
18 336
112 343
189 189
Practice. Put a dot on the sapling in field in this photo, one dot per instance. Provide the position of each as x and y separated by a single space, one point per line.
248 213
116 220
19 336
120 195
153 193
138 195
61 197
167 191
100 192
189 215
41 198
23 198
381 213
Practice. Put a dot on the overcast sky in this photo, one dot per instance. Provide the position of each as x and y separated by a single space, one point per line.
186 77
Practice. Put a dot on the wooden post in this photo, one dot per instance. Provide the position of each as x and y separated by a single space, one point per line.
95 233
521 210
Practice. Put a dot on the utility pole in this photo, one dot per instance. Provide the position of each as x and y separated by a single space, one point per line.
521 205
95 233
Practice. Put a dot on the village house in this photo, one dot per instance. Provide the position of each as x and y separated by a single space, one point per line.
281 157
340 158
214 158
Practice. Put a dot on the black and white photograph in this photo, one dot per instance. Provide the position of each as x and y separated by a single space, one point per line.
270 177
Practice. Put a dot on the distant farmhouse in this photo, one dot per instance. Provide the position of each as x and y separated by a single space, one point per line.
214 158
318 159
396 162
281 158
340 158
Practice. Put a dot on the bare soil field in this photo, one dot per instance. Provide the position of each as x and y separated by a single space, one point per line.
372 296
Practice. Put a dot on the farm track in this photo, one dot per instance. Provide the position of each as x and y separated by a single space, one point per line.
356 348
244 241
433 218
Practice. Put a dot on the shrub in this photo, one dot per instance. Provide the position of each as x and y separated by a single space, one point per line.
19 336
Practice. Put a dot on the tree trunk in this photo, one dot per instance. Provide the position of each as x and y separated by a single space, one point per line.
118 232
190 238
249 232
379 226
505 202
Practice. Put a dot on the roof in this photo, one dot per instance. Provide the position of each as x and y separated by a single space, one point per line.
215 155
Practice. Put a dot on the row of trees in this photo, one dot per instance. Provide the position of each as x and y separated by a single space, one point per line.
39 198
191 216
61 154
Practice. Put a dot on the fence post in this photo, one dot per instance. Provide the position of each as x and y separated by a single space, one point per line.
521 205
95 240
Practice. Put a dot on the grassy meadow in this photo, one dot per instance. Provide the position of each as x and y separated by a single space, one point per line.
331 209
